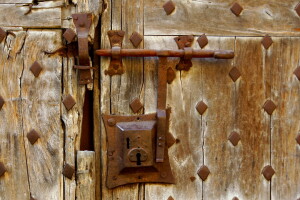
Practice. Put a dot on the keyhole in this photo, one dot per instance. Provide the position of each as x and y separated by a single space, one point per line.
138 159
128 143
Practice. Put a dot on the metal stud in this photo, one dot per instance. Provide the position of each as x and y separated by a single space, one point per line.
170 140
267 41
69 35
201 107
297 72
170 75
136 105
2 34
268 172
234 74
36 69
235 198
236 9
136 39
33 136
111 122
203 172
68 171
269 106
297 9
234 138
69 102
202 41
2 169
298 138
169 7
170 198
1 102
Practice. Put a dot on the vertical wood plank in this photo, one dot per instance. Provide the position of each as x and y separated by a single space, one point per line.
41 111
12 145
285 87
85 175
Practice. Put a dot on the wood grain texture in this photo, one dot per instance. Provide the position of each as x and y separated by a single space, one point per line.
285 92
215 18
14 16
85 175
185 123
41 101
12 145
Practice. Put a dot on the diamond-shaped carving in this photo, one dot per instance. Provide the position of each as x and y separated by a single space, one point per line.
202 41
234 138
234 74
68 171
136 39
33 136
298 138
169 7
268 172
136 105
267 41
170 75
297 72
269 107
201 107
69 35
236 9
69 102
36 69
1 102
297 9
2 34
203 172
2 169
170 139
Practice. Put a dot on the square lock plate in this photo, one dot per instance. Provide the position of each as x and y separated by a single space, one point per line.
131 151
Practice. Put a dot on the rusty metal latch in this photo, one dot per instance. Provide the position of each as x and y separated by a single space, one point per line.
138 145
83 23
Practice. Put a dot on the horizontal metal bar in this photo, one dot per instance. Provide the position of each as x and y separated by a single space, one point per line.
218 54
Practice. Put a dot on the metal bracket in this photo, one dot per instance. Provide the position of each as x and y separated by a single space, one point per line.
83 23
185 42
116 39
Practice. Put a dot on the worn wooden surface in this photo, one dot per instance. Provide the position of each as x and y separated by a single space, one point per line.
214 17
85 175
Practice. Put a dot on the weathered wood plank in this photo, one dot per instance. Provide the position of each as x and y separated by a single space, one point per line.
285 119
15 16
185 156
41 102
215 18
85 175
12 147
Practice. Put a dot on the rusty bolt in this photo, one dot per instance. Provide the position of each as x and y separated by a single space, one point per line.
1 102
136 105
69 102
234 138
2 34
69 35
297 72
201 107
36 69
68 171
267 41
111 122
203 172
169 7
33 136
298 138
236 9
268 172
269 106
202 41
2 169
234 74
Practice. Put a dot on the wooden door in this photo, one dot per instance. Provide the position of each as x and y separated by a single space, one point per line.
251 123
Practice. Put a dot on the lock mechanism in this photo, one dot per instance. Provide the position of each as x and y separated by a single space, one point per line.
138 145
